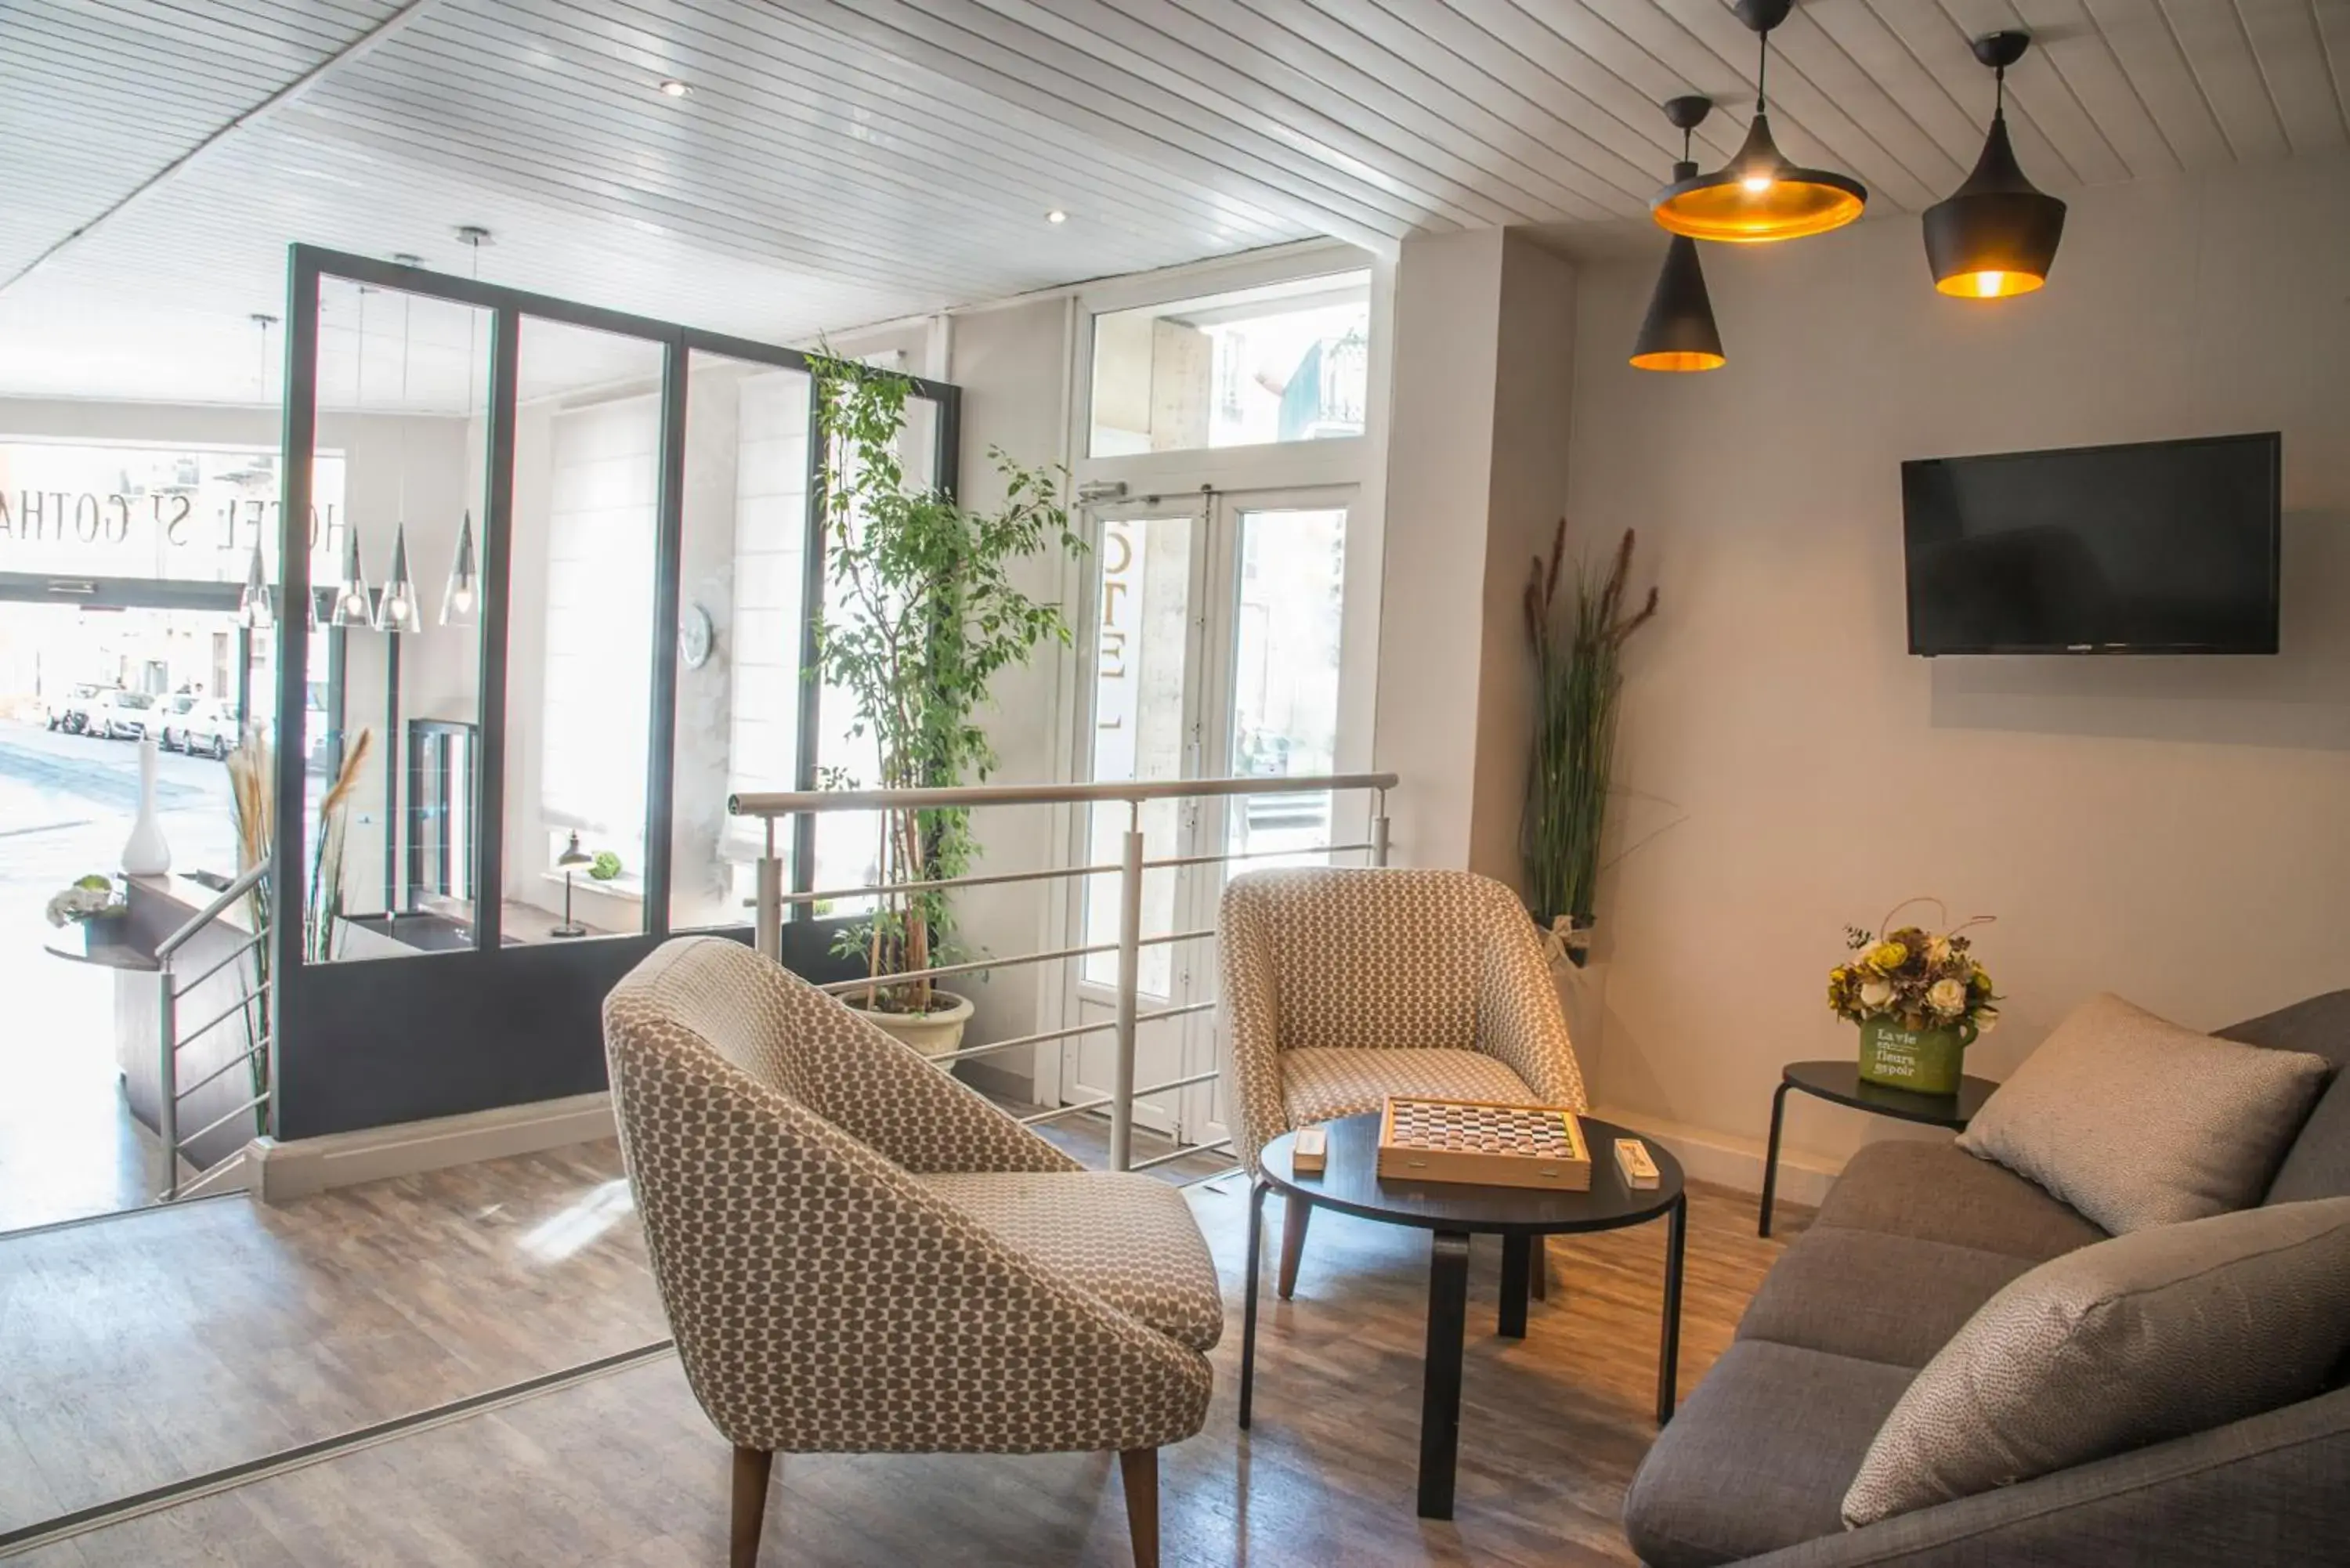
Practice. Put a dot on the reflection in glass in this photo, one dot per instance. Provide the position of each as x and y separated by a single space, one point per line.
580 636
1139 633
742 579
1287 362
1285 679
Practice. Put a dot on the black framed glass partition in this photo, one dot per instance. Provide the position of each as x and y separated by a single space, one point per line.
577 619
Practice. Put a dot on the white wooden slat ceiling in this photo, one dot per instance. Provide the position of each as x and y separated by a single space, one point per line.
847 160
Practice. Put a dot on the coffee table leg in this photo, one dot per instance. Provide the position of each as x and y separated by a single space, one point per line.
1668 1358
1771 1157
1517 1270
1248 1309
1440 1403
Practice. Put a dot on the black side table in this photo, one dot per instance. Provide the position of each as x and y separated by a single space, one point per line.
1841 1083
1521 1216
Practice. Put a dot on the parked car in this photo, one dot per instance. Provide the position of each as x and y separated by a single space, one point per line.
211 729
171 723
123 716
71 712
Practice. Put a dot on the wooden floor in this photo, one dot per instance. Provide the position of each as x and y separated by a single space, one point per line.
165 1344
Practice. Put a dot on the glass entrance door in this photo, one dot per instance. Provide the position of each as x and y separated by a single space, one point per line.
1217 645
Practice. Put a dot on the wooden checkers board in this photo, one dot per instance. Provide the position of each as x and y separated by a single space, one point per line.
1484 1143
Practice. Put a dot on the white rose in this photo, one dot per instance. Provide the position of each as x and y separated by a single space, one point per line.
1938 950
1986 1019
1948 997
1877 993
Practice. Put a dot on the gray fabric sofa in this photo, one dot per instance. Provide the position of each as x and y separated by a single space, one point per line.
1913 1238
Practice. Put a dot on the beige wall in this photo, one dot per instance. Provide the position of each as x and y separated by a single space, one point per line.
1476 476
1012 366
2172 829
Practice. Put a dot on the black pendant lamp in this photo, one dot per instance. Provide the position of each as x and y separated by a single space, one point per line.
1996 235
1759 197
1678 333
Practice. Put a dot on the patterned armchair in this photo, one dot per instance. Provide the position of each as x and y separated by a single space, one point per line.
1342 986
858 1254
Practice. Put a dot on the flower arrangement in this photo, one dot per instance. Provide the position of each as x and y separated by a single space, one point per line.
1921 998
89 897
605 867
1923 980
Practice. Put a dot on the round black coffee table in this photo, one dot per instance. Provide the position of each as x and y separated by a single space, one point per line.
1840 1082
1455 1211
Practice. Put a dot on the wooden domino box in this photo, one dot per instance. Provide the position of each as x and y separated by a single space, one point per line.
1481 1143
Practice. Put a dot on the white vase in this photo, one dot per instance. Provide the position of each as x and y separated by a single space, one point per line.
144 853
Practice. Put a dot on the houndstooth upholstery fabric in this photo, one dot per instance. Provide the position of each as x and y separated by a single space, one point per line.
1320 1082
1349 964
1127 1239
824 1297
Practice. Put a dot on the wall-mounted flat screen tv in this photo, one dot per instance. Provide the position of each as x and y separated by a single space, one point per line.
2159 547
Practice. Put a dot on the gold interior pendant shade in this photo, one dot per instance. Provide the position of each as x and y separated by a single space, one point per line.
1679 332
1996 235
1759 197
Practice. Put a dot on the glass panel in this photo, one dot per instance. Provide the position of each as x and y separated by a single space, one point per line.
1283 363
1286 645
394 660
580 649
1139 638
741 619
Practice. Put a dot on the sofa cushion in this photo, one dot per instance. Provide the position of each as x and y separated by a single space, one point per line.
2135 1121
1127 1239
1321 1083
1938 1192
2318 1165
1874 1294
1727 1478
2154 1335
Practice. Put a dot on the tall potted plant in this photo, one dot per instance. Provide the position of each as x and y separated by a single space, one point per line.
924 615
1577 651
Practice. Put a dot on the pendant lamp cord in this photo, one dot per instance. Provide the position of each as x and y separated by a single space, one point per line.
405 302
1762 73
1999 92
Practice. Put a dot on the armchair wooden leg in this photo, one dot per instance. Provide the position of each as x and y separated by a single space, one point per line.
1293 1242
1139 1467
752 1469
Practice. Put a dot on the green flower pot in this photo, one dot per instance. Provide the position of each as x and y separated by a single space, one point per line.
1923 1061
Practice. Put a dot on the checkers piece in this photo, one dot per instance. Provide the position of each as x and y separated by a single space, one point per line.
1483 1143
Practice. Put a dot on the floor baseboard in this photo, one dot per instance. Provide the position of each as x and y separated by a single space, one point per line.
303 1166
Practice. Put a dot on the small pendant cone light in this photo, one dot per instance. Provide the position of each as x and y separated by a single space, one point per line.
1678 333
354 605
460 600
256 608
395 609
1759 197
1996 235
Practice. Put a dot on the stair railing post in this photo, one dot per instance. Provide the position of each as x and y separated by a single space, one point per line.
770 920
1129 980
167 1107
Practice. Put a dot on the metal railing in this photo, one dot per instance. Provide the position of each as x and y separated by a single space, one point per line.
172 987
1129 868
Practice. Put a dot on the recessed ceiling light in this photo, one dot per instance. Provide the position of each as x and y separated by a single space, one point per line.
1057 216
675 89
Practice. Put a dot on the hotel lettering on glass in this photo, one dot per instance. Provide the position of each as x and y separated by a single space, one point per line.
176 513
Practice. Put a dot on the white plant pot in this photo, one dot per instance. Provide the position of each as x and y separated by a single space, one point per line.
145 853
933 1034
